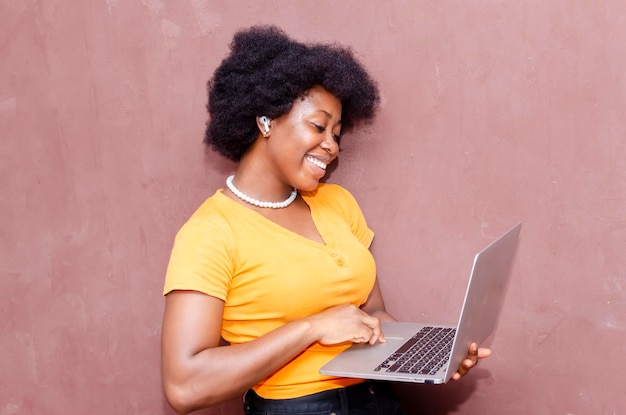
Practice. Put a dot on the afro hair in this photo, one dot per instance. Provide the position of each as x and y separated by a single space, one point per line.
266 72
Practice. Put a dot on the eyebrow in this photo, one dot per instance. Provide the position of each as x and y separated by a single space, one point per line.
329 115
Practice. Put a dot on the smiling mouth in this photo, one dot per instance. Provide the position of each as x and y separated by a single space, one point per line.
316 162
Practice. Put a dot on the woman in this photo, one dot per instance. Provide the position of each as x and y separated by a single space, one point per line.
277 264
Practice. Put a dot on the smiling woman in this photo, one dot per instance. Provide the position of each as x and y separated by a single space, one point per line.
277 264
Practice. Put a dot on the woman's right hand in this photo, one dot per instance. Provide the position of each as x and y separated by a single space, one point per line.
346 323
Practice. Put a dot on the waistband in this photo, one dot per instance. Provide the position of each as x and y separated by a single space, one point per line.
330 400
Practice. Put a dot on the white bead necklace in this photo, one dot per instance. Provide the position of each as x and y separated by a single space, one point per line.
248 199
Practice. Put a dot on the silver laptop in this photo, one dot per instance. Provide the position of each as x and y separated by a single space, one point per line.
432 353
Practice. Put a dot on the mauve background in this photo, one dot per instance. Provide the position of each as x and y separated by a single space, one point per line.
493 112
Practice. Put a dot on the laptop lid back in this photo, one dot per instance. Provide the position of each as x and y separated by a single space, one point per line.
484 296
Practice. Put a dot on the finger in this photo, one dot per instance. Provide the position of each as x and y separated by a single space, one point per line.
365 335
483 352
378 337
460 373
377 334
373 324
362 339
466 365
473 350
464 368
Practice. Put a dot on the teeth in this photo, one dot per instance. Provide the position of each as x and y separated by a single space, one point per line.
317 162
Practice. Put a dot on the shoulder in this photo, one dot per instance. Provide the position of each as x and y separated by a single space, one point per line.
212 217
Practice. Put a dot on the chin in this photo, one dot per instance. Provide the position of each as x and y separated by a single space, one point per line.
309 186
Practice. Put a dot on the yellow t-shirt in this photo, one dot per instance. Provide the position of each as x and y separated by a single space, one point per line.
268 275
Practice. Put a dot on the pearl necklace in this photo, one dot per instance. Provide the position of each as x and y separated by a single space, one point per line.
248 199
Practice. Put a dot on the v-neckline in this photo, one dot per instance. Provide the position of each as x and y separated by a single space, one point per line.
318 222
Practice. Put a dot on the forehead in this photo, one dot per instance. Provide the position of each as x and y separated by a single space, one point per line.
318 99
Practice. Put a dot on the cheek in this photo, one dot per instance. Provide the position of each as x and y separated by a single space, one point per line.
300 139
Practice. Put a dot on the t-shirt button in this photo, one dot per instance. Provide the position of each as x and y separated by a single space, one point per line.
333 254
340 262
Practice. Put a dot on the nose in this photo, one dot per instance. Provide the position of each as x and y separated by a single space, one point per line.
330 146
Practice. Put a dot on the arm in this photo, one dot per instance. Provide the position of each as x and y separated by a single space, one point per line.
197 373
375 305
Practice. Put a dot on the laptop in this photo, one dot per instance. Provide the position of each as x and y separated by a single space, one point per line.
432 353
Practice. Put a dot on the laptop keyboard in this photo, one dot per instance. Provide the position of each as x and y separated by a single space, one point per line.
424 353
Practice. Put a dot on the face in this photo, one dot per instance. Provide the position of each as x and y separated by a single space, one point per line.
306 139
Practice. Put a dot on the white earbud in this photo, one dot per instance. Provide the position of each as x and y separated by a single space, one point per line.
266 124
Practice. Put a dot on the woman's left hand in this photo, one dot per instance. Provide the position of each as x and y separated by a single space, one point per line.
473 355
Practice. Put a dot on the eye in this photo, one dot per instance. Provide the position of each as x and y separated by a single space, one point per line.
321 129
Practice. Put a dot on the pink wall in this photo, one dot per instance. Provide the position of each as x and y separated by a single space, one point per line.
493 112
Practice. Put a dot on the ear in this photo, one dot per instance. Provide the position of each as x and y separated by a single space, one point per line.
264 123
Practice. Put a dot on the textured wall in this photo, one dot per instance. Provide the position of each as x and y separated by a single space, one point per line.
493 112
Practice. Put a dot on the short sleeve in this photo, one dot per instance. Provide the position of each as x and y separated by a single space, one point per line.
201 259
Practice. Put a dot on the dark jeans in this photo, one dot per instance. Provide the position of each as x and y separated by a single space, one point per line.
369 398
